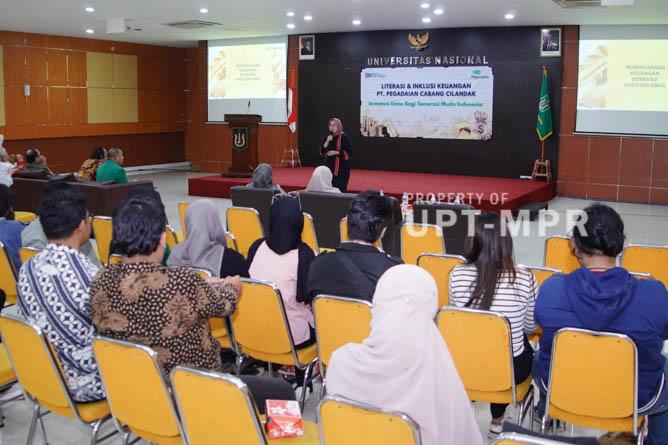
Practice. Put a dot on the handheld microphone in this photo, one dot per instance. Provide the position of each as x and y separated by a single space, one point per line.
248 109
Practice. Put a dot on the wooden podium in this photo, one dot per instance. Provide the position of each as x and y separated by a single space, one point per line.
244 128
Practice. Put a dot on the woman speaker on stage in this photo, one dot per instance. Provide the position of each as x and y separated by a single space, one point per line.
336 150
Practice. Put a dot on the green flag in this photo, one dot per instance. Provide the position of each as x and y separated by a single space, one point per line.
544 123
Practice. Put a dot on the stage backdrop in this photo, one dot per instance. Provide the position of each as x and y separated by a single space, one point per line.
503 66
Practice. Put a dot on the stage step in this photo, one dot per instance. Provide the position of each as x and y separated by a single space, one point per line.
534 208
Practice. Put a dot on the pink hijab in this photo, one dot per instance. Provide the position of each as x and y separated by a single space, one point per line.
405 364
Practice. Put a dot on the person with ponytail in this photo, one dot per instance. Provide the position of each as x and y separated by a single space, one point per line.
490 281
602 297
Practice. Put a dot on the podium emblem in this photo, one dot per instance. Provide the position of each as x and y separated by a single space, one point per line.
239 138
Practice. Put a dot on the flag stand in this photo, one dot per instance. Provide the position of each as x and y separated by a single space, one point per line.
542 167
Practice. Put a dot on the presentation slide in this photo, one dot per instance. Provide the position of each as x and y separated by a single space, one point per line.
429 102
248 76
623 80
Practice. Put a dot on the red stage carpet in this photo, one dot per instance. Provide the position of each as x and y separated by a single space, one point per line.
483 192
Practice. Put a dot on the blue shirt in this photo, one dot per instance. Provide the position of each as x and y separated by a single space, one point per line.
10 236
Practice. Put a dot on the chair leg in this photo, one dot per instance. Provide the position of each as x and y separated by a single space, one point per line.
41 427
240 363
307 379
524 406
33 424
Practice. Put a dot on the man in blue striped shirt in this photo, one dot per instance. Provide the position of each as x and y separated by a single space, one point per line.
54 290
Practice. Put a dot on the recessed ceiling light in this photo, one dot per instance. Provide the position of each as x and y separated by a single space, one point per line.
438 11
510 16
90 31
291 26
426 19
90 9
357 22
290 14
203 10
424 5
308 17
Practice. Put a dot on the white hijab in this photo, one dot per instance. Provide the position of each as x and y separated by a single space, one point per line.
405 364
321 181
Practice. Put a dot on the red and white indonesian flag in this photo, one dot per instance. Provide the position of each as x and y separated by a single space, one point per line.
292 103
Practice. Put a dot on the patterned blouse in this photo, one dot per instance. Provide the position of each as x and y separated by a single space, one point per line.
88 169
54 294
167 309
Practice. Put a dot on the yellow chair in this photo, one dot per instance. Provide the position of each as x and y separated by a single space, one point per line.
481 346
344 422
646 258
642 275
25 253
172 237
40 375
201 394
541 273
308 234
244 223
523 439
559 255
339 321
8 276
231 241
343 233
261 330
7 379
115 258
138 393
440 266
182 207
25 217
417 239
102 229
579 393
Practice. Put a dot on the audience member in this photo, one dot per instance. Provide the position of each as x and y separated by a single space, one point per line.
283 259
205 245
10 230
263 179
490 281
321 181
88 170
7 168
355 267
36 167
602 297
404 364
53 290
112 168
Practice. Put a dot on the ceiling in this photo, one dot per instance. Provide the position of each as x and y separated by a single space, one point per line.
250 18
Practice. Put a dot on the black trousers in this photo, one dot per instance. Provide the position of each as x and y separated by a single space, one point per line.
299 374
267 388
522 365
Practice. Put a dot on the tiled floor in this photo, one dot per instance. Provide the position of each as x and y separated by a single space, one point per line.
644 224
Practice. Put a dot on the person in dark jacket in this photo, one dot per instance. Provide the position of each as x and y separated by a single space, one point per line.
355 267
602 297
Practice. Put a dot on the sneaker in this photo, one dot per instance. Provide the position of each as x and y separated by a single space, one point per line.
495 429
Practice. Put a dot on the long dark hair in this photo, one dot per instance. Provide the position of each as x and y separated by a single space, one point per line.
491 252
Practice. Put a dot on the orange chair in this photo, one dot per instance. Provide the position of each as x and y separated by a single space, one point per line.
541 274
417 239
647 258
559 255
8 276
440 266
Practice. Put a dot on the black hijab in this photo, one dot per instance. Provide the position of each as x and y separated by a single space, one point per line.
286 222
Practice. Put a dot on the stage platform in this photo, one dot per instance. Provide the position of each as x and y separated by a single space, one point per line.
482 192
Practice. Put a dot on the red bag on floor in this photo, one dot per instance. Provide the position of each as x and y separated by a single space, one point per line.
284 419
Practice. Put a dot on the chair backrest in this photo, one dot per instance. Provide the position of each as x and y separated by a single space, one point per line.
308 233
343 233
25 253
326 209
258 199
417 239
7 375
542 273
136 388
260 324
8 275
200 396
646 258
523 439
480 345
558 254
25 217
35 366
231 241
452 218
181 208
578 386
216 324
642 275
103 230
440 266
339 321
244 223
172 238
343 422
115 258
